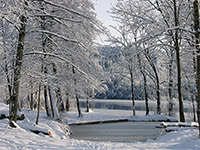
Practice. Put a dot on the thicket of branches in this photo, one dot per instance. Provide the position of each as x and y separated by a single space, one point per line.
155 37
159 40
47 53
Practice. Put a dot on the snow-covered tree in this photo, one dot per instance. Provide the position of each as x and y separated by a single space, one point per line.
48 35
196 27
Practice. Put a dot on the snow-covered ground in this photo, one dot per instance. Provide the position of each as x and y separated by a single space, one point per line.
105 114
22 138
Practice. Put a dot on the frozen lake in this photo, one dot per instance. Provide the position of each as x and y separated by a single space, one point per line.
117 132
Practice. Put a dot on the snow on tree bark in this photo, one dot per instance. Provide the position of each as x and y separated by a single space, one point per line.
58 92
142 70
38 106
67 102
13 102
76 93
197 38
179 76
52 97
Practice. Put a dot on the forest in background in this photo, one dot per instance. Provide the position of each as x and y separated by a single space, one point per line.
48 54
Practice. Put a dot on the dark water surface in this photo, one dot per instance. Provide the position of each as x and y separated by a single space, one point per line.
117 132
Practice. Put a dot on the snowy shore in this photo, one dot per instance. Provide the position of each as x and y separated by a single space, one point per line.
21 138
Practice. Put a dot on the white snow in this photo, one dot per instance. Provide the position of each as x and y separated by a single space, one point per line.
154 117
179 124
92 116
22 138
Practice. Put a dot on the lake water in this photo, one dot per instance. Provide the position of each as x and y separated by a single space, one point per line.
117 132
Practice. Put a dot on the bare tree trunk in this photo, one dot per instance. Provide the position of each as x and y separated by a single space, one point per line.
60 103
87 104
157 81
78 105
177 48
44 68
46 101
13 103
76 93
158 92
145 84
196 27
67 102
35 101
145 93
31 102
193 93
52 98
170 109
38 108
53 103
132 93
58 93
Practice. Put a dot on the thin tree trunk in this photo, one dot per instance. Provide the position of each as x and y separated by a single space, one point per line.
46 98
177 48
132 93
44 68
158 92
52 102
170 84
67 102
38 108
194 95
78 105
61 107
76 93
13 103
46 101
196 27
60 103
145 93
35 101
52 98
87 104
157 82
31 102
145 85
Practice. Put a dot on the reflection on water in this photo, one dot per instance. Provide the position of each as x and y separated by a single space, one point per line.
117 132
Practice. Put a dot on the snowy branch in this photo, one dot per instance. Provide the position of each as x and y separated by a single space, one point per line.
62 37
65 8
58 17
59 57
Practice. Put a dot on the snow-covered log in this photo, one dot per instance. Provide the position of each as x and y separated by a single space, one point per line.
32 128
